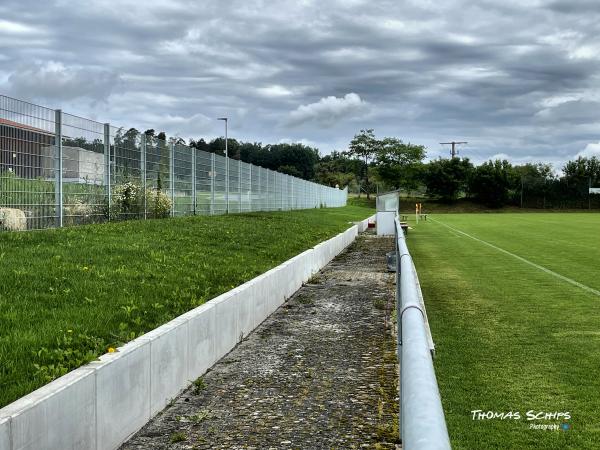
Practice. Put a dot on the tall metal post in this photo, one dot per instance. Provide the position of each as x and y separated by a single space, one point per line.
194 180
143 172
107 166
172 178
267 173
213 174
58 159
225 119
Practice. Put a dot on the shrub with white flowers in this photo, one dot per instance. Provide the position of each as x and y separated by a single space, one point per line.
158 203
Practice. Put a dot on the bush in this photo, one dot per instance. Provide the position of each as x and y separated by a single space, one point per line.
129 199
158 203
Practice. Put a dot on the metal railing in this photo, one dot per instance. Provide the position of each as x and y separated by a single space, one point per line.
422 424
57 169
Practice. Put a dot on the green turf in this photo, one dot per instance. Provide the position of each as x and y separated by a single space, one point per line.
509 336
68 295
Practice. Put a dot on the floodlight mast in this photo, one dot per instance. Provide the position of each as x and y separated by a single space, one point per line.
454 152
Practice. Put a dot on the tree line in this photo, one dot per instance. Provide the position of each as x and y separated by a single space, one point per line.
393 164
389 163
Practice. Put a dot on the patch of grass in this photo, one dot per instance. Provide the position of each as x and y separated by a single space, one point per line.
199 385
178 436
109 283
465 205
509 336
362 201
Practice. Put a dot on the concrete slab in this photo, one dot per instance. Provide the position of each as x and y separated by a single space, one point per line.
168 362
61 414
201 340
5 433
226 321
122 393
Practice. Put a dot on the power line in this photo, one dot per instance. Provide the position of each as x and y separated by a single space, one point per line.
454 152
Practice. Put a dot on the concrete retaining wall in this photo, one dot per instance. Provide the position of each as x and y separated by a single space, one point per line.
100 405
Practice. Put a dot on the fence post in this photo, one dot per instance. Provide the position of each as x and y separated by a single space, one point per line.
194 179
267 173
250 195
260 199
172 178
143 170
58 160
213 174
240 184
107 166
281 189
226 183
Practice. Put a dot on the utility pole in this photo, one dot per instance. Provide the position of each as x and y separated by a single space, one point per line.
454 152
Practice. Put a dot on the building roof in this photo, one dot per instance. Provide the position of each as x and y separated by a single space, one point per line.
11 123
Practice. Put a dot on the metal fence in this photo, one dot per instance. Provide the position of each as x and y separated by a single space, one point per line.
422 422
57 169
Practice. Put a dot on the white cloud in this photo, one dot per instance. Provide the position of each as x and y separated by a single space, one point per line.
7 27
274 91
592 149
328 110
54 80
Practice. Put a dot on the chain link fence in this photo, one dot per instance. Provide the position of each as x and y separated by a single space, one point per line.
57 169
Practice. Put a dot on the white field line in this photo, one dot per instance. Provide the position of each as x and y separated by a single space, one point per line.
526 261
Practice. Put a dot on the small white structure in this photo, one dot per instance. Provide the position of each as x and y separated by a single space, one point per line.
387 210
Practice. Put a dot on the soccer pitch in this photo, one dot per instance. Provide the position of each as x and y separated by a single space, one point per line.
514 307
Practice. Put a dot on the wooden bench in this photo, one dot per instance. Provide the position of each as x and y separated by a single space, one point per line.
404 227
423 216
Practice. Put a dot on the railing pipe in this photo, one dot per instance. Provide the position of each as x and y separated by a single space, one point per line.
422 422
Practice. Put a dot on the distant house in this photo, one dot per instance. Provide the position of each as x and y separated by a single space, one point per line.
23 149
28 152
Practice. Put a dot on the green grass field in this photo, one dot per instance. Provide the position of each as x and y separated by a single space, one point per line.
511 336
70 294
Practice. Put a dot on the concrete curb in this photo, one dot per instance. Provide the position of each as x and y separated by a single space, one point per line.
100 405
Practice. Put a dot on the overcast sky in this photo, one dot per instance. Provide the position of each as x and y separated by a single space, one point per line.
516 78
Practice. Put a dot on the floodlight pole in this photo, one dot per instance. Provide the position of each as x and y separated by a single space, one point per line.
224 119
454 143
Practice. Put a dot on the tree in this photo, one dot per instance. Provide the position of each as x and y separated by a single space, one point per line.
217 146
490 182
532 182
398 164
200 144
338 169
364 146
290 170
446 178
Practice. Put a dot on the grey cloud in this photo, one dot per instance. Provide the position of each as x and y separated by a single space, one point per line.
55 81
481 71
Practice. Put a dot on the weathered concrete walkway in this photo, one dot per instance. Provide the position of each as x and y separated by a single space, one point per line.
319 373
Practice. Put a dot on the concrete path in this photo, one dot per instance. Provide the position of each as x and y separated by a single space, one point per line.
321 372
